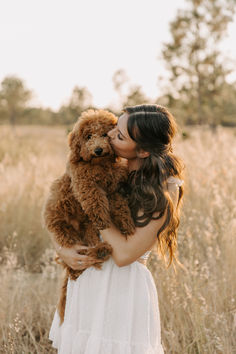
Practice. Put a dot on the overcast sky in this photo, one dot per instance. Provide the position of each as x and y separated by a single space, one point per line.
54 45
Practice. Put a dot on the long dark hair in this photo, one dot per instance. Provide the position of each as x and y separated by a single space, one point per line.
153 127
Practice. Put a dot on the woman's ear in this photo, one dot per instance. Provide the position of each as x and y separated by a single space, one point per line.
142 154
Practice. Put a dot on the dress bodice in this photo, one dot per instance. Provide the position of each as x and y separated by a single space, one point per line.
175 180
145 255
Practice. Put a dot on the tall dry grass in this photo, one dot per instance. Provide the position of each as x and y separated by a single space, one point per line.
198 305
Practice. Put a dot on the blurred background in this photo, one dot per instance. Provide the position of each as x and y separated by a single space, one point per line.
59 58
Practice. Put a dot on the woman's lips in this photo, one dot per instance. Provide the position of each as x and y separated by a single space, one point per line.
111 143
113 148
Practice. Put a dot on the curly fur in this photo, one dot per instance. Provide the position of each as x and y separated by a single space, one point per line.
86 198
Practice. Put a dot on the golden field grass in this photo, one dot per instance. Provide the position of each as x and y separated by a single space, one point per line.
197 306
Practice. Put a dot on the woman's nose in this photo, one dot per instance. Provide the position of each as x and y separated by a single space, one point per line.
110 133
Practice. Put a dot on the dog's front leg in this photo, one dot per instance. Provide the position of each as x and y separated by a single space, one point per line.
120 214
100 252
93 201
57 222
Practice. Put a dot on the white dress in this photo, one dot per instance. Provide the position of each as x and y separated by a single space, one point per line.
113 310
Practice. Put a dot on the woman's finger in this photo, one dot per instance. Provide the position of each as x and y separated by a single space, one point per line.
85 263
81 257
85 257
79 248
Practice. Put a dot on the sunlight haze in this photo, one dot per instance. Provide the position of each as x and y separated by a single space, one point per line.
55 45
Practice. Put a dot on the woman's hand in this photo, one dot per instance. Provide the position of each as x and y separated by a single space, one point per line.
77 261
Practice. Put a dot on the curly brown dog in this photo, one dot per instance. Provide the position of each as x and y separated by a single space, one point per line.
86 198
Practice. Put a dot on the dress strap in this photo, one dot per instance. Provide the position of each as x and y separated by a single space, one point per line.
175 180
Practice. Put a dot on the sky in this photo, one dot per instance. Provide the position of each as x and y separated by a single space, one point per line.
54 45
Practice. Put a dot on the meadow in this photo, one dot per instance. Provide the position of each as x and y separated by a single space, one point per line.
197 304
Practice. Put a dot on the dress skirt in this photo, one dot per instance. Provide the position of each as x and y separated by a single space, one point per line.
113 310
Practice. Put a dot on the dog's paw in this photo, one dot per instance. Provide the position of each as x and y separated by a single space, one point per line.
126 227
97 265
102 223
101 251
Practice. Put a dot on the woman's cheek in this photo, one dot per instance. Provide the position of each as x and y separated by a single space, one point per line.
119 148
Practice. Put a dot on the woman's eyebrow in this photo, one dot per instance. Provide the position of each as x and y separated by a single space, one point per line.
121 133
119 129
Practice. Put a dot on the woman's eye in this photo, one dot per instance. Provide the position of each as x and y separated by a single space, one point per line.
89 136
119 136
104 135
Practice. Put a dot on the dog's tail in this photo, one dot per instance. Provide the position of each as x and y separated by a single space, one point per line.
62 301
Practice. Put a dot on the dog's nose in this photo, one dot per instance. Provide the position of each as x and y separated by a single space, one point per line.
98 151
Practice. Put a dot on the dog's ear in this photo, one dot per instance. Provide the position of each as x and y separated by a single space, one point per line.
71 137
74 147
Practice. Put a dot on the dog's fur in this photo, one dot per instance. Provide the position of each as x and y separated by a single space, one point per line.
86 198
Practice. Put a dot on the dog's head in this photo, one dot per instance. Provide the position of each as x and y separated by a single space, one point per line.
88 139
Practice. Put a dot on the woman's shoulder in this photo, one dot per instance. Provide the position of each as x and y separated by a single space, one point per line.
175 180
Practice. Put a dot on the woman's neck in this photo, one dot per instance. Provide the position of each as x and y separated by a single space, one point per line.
133 164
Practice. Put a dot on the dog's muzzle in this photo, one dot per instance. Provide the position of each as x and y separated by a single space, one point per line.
98 151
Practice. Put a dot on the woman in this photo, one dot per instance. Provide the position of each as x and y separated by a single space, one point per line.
115 310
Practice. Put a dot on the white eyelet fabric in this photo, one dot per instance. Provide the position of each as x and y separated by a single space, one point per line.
175 180
110 311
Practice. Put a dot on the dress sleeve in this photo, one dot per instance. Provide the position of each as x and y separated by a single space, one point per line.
178 182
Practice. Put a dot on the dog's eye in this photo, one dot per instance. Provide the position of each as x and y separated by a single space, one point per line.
89 136
104 135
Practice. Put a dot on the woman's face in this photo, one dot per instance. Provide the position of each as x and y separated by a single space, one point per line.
120 140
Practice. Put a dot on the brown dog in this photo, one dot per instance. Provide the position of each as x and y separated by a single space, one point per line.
86 198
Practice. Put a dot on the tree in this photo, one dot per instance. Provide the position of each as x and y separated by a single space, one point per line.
81 99
197 69
13 98
119 79
41 116
130 95
135 97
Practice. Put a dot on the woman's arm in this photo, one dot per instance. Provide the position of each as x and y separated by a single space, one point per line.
127 251
71 256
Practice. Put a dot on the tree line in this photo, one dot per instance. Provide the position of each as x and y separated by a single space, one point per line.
197 89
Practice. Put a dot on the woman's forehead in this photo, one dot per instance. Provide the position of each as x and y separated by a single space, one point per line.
123 126
123 118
